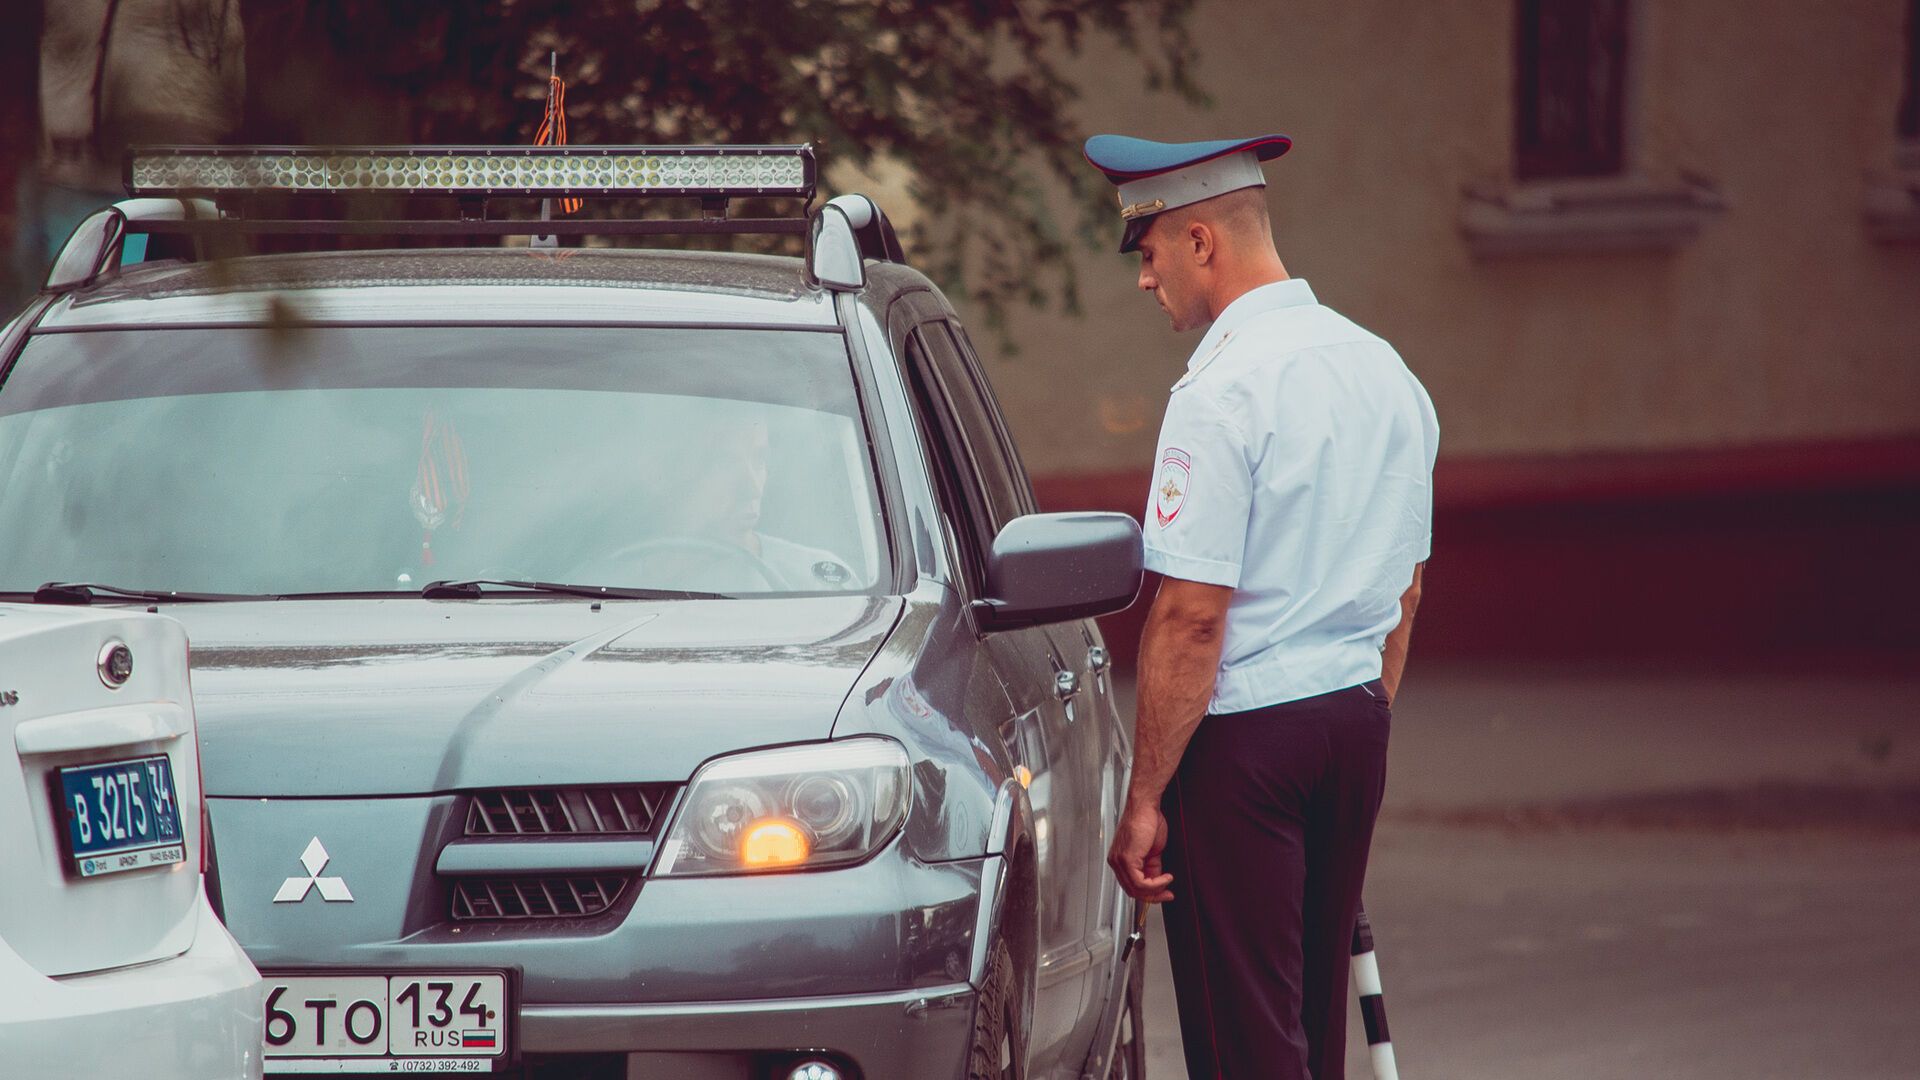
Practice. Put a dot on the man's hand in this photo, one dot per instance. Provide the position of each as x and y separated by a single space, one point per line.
1135 855
1179 653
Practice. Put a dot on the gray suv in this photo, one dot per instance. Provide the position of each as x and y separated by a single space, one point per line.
609 662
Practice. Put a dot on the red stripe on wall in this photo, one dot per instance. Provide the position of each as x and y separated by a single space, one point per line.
1678 474
1691 556
1524 480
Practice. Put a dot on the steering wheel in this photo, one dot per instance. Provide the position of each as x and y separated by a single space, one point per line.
714 551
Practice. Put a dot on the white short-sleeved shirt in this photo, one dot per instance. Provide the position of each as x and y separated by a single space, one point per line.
1295 466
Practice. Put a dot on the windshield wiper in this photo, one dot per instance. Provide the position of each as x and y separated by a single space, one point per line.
85 592
471 589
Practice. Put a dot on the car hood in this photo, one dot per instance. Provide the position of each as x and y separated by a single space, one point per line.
405 696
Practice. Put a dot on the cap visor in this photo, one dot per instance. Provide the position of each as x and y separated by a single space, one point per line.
1137 228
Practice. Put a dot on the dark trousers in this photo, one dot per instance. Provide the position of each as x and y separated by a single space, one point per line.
1268 823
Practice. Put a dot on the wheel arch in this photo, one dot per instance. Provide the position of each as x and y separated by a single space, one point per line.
1010 906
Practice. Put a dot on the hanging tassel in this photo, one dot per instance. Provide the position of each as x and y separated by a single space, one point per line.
434 498
553 128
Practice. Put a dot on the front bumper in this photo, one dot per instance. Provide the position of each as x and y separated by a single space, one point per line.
196 1016
913 1033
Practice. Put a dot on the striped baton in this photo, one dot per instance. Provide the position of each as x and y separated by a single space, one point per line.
1373 1005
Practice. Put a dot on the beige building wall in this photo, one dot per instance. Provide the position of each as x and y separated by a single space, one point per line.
1783 321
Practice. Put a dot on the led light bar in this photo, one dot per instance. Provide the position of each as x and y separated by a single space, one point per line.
537 171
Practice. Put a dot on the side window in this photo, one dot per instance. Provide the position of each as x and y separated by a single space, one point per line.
1005 496
960 486
1023 485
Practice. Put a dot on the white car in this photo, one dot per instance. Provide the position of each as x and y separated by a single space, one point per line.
111 959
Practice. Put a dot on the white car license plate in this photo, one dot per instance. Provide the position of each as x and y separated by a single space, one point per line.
415 1022
121 815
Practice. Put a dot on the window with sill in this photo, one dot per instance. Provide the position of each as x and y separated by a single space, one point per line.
1910 98
1893 203
1569 100
1574 188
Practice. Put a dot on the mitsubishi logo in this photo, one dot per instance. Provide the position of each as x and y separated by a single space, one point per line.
295 889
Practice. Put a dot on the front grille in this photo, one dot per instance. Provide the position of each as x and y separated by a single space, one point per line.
630 810
534 897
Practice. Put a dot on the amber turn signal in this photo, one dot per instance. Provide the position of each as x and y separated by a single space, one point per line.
773 842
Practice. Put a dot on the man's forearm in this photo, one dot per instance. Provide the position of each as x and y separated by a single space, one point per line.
1393 658
1178 659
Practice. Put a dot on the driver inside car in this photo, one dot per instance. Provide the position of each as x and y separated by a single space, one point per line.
706 534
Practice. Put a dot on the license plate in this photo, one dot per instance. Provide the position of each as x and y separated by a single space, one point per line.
121 816
417 1022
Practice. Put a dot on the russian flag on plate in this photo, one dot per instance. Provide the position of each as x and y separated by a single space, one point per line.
480 1039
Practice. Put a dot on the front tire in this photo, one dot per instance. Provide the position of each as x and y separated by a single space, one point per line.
995 1050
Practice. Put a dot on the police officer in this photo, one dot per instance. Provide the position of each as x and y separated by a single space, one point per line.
1290 517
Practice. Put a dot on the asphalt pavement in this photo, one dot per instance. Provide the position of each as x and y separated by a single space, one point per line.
1604 872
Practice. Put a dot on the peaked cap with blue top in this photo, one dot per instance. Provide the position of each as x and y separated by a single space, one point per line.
1155 177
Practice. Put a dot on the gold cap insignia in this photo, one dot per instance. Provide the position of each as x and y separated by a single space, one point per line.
1142 209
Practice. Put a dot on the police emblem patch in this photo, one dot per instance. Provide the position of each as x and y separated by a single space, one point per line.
1170 486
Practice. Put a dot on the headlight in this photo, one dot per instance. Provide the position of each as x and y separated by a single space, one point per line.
799 807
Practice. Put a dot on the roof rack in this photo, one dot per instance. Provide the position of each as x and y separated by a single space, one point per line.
201 191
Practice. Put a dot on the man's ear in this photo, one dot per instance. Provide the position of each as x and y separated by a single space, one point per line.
1200 240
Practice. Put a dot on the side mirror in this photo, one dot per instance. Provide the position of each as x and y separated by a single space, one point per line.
1048 568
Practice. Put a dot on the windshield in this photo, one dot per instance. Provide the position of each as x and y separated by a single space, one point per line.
378 459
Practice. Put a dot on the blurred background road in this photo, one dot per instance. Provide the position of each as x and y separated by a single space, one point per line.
1602 873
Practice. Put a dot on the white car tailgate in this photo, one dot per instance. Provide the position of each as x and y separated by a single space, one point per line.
67 913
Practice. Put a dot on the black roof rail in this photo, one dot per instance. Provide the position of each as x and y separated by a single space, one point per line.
95 246
847 231
871 228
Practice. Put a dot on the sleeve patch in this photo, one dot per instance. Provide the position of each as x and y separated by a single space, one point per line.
1170 485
